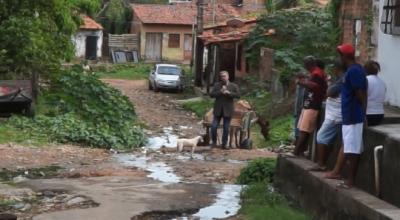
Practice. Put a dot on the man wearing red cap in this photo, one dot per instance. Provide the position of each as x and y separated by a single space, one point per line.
354 104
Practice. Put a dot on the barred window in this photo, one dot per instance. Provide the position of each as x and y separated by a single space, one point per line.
390 21
397 14
174 41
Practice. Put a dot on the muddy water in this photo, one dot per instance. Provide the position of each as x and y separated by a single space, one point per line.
227 202
158 170
167 139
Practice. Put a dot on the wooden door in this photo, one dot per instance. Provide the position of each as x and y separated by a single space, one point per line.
153 46
187 47
227 59
91 47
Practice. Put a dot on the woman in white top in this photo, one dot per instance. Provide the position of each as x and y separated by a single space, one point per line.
376 94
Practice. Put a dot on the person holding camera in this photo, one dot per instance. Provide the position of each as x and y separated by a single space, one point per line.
224 93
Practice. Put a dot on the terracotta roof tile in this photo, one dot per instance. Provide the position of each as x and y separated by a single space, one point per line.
183 14
89 24
229 34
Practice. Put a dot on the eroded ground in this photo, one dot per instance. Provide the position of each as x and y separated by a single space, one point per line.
72 182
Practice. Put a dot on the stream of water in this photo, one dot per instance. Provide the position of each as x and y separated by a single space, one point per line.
227 202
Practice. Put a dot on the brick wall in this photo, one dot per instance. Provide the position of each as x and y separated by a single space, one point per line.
350 11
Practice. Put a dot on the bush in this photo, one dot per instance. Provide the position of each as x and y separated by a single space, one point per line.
281 131
261 201
81 109
258 170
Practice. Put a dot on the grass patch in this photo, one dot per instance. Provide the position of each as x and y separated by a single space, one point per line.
9 133
260 201
281 132
131 72
200 108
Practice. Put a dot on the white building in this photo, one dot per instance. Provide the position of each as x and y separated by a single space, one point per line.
388 48
88 40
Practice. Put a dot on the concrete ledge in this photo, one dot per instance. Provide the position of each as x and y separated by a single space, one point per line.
323 200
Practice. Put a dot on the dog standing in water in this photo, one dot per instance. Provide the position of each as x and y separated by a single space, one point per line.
192 143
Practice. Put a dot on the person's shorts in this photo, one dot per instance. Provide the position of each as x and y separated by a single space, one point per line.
374 120
352 138
308 120
327 133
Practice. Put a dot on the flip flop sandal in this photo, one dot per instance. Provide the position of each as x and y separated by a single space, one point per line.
317 168
337 177
289 155
342 185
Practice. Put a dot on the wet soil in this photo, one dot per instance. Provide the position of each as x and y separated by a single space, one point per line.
100 178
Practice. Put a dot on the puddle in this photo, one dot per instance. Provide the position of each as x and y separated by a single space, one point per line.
187 157
158 170
227 204
32 173
162 215
168 139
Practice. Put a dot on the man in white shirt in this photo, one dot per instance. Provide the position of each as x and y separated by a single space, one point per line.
333 119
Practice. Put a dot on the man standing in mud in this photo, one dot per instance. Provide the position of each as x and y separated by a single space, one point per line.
224 93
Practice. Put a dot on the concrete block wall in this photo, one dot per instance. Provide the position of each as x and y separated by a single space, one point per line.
350 11
387 135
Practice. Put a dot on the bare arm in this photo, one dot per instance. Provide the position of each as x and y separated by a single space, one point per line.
361 96
308 84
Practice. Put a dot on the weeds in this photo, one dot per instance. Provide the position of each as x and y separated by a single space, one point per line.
79 108
131 72
200 108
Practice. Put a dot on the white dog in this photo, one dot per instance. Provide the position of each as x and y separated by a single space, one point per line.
192 143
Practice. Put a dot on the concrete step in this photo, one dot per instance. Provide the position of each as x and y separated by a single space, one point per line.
323 200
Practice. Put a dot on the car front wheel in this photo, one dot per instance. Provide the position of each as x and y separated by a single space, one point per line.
150 86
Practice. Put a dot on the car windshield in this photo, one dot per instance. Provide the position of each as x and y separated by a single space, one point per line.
169 70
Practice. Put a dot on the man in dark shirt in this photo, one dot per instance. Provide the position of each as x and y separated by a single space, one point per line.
315 85
224 93
354 105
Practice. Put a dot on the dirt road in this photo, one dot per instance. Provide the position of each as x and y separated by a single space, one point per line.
66 182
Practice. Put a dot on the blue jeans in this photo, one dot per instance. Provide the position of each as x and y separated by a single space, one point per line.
214 127
328 131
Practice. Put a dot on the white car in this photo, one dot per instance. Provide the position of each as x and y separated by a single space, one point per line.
166 76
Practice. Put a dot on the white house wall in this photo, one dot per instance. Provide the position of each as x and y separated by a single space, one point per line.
388 55
79 41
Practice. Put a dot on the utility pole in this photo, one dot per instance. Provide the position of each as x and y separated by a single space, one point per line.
199 45
213 11
200 9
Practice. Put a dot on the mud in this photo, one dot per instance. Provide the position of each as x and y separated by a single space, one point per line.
154 182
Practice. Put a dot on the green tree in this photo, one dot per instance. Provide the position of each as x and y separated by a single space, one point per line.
117 16
298 32
90 7
35 36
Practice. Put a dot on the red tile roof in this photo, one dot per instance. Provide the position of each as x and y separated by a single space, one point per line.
89 24
181 14
230 33
184 13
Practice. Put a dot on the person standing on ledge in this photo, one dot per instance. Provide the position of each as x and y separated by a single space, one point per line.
224 93
354 106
